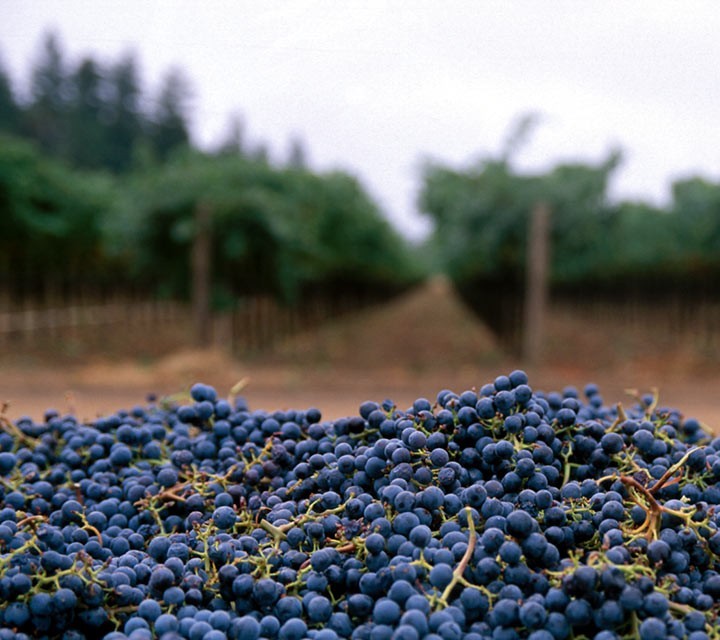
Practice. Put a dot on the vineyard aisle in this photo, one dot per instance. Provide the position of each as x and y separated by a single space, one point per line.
411 346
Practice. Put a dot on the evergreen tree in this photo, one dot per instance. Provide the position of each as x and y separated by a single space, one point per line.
9 109
88 133
46 121
169 120
125 126
297 156
92 117
261 153
234 142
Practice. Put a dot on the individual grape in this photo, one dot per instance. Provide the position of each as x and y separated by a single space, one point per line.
224 517
150 610
288 608
134 624
246 627
610 615
7 462
510 552
653 629
199 629
612 443
167 477
578 613
655 605
173 596
421 536
293 629
386 611
319 609
516 378
41 605
161 578
506 612
441 575
520 523
532 615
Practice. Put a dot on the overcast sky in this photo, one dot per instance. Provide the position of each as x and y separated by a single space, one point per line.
375 86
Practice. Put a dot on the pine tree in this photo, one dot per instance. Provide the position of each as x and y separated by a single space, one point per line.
88 133
125 122
46 117
234 142
9 109
297 157
169 128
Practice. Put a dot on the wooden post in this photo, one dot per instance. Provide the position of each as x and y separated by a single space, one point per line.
201 274
536 283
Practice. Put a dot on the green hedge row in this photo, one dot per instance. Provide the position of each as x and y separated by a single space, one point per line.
481 225
274 230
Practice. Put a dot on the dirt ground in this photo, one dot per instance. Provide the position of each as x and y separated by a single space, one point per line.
411 347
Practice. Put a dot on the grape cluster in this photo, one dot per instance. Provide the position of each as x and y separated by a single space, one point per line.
498 513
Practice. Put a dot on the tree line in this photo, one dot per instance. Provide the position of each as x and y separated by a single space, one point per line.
95 115
100 183
616 254
275 230
480 215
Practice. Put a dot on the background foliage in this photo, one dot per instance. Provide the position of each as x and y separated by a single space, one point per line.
281 231
99 186
481 223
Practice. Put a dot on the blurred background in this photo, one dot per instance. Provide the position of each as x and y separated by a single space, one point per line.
367 202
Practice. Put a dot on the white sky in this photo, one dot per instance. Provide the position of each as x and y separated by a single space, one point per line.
375 86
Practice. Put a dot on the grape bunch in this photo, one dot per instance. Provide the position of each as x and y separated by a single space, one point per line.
498 513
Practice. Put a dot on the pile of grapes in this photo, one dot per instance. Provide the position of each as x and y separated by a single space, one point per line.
497 513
